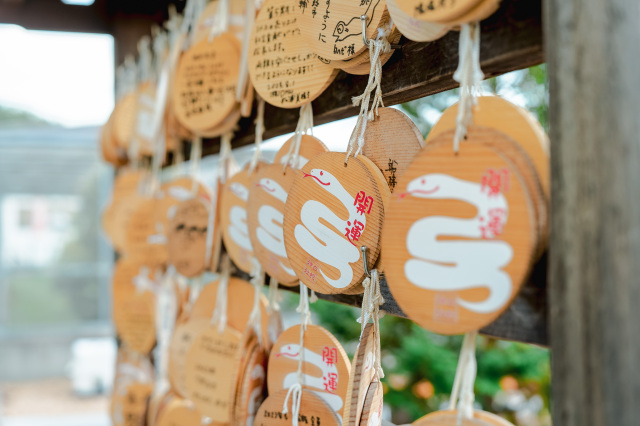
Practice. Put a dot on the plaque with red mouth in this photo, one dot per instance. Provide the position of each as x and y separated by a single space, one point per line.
332 211
325 365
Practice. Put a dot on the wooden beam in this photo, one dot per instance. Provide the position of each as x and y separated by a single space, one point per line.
593 53
511 39
53 15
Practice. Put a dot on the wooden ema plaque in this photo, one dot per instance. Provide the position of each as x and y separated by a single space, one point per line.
145 240
313 411
513 121
134 304
325 368
460 235
205 83
233 219
187 237
483 10
450 418
373 405
333 29
282 68
437 10
392 141
179 412
239 304
128 408
310 146
124 116
123 202
361 377
415 29
267 197
332 210
182 339
251 386
174 192
211 372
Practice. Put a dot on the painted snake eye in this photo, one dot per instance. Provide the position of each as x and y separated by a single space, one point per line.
423 181
321 173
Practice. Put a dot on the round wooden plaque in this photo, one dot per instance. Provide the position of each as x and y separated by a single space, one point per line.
459 236
233 219
179 412
252 390
183 337
415 29
265 209
212 371
205 83
129 408
134 304
325 368
332 210
373 405
436 10
310 146
145 240
239 304
333 30
392 141
124 119
513 121
361 377
187 237
482 11
313 408
283 70
450 418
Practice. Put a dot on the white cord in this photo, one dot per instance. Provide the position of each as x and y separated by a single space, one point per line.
304 126
257 280
258 136
462 396
219 316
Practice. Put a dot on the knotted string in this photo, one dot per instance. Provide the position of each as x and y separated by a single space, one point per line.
194 157
145 58
462 396
196 288
304 126
371 302
221 24
258 136
166 308
376 49
257 280
295 391
208 253
470 76
243 75
219 316
225 157
274 305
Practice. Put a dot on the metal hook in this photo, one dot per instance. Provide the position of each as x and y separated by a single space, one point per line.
363 19
365 265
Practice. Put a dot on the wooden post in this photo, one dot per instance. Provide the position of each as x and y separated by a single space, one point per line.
593 52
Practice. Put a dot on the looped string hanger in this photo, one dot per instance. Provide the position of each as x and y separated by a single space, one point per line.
469 75
243 75
145 59
376 48
219 316
225 157
295 391
304 127
274 305
130 82
221 24
371 302
462 396
167 309
258 137
194 157
257 280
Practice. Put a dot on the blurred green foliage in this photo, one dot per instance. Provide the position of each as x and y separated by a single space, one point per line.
419 365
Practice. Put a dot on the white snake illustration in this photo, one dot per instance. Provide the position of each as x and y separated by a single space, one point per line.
461 264
270 232
238 229
292 351
322 242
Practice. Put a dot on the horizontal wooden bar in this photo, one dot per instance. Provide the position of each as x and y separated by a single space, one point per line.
511 39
